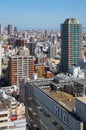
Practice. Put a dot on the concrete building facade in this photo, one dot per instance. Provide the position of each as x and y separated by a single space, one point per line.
52 51
4 118
47 108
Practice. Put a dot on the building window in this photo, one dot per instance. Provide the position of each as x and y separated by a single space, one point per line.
37 129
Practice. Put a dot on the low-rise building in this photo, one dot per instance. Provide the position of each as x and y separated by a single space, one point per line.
16 109
40 70
4 117
20 110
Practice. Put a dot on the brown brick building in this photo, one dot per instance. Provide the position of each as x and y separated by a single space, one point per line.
20 67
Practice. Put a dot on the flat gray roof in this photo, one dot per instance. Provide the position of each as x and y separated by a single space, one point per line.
82 99
81 81
64 99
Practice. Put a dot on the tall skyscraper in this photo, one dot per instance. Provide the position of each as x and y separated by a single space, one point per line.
20 67
10 31
71 43
15 29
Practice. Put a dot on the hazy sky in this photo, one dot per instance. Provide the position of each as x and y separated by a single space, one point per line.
41 13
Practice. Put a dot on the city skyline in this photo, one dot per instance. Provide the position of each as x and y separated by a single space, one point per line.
40 13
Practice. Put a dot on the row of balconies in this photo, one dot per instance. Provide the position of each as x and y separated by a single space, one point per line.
4 123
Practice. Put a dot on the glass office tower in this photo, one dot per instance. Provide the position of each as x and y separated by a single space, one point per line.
71 43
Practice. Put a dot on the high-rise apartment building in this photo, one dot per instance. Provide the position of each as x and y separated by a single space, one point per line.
52 51
20 42
32 47
15 29
71 43
20 67
10 31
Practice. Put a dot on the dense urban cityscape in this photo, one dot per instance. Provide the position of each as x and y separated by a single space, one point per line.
37 66
42 74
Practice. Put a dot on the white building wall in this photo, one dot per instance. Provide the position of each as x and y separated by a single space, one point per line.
74 71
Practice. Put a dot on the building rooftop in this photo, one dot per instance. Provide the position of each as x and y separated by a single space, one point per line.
62 78
82 99
81 81
64 99
71 21
56 61
64 92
